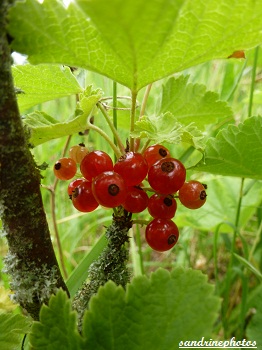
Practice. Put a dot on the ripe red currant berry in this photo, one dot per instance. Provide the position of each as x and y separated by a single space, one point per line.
78 152
167 175
109 189
161 234
161 206
136 200
192 194
132 167
73 184
95 163
154 153
65 168
83 198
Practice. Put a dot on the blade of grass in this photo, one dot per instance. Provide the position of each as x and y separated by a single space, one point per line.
80 274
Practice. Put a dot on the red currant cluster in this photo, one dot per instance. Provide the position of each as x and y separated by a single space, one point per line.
121 184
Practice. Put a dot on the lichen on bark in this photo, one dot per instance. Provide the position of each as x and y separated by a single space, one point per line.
110 265
31 260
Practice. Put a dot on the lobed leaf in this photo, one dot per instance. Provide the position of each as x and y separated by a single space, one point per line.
235 151
43 128
134 42
57 327
44 82
155 313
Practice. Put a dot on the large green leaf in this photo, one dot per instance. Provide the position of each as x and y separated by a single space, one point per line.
12 329
235 151
57 328
42 127
192 103
155 313
42 83
134 42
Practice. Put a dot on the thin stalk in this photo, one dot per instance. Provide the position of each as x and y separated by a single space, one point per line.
117 140
104 135
115 111
132 119
253 80
232 259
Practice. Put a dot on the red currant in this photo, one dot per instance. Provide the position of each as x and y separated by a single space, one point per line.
73 184
83 198
136 200
94 163
161 206
192 194
109 189
161 234
132 167
154 153
78 152
167 175
65 168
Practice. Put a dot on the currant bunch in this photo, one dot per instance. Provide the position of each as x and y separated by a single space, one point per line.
122 184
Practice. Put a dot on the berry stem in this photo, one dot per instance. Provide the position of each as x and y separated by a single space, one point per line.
117 140
132 120
104 135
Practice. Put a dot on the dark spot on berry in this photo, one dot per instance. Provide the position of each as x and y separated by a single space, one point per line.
81 144
205 186
168 201
113 189
167 167
58 166
75 192
162 152
202 195
171 239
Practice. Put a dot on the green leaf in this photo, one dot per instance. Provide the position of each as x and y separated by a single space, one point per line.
155 313
80 274
12 330
42 83
235 151
134 42
166 128
43 128
57 328
192 103
254 327
251 267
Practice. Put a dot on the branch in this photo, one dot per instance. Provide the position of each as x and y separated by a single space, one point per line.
31 260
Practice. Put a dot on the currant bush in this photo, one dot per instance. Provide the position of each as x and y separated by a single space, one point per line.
192 194
65 168
132 167
154 153
78 152
121 184
161 234
167 175
95 163
109 189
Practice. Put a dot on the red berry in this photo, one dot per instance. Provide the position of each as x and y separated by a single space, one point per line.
192 194
161 234
73 184
132 167
83 198
154 153
109 189
167 175
95 163
65 168
78 152
136 200
161 206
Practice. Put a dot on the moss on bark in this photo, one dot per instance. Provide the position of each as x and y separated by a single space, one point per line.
31 261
